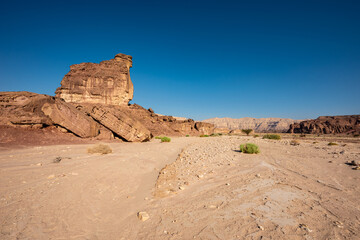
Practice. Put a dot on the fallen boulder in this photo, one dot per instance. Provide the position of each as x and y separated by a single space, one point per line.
69 117
121 124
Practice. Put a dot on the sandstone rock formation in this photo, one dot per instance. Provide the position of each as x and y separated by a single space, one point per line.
328 124
69 117
93 102
120 123
257 124
204 128
105 83
23 109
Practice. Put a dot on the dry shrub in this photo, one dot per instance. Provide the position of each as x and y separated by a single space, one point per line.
99 149
294 142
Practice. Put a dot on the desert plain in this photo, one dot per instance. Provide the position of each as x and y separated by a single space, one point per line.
189 188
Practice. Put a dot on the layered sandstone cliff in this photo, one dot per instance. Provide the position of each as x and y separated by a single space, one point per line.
257 124
328 124
105 83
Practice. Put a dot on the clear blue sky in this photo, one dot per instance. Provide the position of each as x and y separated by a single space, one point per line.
198 59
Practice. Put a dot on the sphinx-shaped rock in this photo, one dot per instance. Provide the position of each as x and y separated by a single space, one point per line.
107 82
68 117
120 123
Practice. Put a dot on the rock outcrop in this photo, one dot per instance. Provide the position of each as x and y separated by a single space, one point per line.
257 124
93 102
70 118
105 83
120 123
328 124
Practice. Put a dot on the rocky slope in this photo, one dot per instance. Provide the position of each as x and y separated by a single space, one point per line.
93 102
328 124
257 124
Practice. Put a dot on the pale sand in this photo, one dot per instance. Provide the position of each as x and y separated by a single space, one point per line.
210 192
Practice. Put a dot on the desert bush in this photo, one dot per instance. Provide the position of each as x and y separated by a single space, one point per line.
255 136
204 135
158 137
165 139
215 135
246 131
272 136
187 135
249 148
356 135
332 144
294 142
100 149
302 135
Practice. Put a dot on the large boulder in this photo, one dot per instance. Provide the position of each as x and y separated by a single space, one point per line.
69 117
121 124
204 128
107 82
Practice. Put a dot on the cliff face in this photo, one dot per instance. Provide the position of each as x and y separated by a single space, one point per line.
328 124
257 124
105 83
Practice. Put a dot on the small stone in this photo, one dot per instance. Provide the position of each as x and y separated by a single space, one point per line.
211 206
261 228
342 152
258 175
57 160
39 164
143 216
227 184
51 176
181 188
146 198
200 176
74 174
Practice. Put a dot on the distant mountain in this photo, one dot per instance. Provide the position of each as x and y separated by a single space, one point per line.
257 124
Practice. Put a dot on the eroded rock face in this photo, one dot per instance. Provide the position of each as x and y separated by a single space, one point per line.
107 82
24 109
70 118
204 128
328 124
120 123
257 124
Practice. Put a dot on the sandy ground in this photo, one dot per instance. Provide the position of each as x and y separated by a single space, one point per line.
206 189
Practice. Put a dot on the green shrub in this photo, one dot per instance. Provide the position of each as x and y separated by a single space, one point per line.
204 135
246 131
215 134
272 136
255 136
249 148
100 149
187 135
332 144
165 139
158 137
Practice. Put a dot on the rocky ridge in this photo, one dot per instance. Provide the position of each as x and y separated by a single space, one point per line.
349 124
257 124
